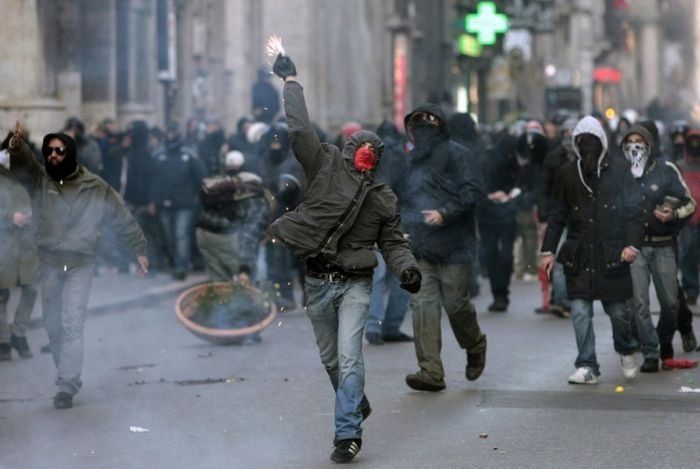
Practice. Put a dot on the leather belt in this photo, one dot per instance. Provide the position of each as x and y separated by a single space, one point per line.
331 277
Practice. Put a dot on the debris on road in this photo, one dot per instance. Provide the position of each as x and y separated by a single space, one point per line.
138 429
687 389
483 435
620 389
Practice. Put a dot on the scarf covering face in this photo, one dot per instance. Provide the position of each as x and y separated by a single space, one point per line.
638 155
590 148
365 159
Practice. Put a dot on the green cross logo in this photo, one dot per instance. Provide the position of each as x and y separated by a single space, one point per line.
486 23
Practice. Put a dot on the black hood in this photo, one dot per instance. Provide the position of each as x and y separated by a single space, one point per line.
462 125
429 108
360 137
69 163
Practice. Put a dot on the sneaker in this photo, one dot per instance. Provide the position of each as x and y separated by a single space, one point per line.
650 365
21 345
397 337
560 311
63 400
690 343
542 310
5 352
583 375
346 450
529 278
374 338
629 367
476 362
421 381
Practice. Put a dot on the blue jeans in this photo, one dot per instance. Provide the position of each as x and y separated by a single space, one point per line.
560 296
582 316
177 231
386 320
338 311
659 263
64 298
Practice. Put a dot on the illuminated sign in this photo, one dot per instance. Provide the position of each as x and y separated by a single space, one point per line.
486 23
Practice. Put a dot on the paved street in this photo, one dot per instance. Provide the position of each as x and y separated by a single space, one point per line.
269 405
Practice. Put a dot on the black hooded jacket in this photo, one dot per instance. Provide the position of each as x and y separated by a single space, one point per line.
446 179
344 212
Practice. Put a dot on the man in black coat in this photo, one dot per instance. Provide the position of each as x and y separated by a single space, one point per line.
598 199
437 197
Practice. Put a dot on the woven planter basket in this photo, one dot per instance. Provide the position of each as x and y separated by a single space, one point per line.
186 306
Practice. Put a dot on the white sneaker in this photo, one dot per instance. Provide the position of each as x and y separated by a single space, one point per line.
530 278
583 375
629 367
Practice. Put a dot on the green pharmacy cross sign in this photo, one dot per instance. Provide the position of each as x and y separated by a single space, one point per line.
486 23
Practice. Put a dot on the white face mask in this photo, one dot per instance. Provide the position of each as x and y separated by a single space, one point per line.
4 159
637 154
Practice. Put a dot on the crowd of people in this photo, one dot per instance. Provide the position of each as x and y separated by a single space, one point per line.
371 224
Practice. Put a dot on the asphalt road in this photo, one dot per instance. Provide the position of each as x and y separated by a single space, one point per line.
269 405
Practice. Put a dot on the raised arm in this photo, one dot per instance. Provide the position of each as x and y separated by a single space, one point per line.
305 142
23 164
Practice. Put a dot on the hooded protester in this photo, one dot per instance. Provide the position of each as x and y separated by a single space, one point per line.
140 177
384 321
605 234
464 130
86 146
174 196
72 207
266 98
677 133
283 175
209 149
343 214
19 264
561 154
437 199
666 204
531 148
497 214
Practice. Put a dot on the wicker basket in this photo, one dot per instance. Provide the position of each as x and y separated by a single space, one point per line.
185 307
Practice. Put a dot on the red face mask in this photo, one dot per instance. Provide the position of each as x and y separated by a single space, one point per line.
365 159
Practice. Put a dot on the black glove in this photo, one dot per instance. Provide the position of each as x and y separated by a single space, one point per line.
410 280
284 67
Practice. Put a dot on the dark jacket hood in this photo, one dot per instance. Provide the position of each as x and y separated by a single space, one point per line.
357 139
429 108
462 125
71 149
646 135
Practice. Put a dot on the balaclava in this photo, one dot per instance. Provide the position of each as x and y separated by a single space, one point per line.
365 159
70 162
637 154
590 148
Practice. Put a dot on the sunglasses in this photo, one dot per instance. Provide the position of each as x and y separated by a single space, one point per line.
60 151
424 117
